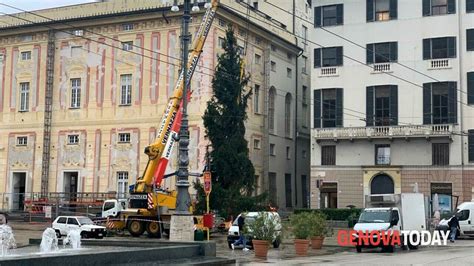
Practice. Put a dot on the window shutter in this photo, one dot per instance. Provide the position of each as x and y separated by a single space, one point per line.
317 108
452 103
426 103
451 7
393 105
426 7
317 16
340 14
370 10
470 143
426 49
393 9
369 105
470 39
470 88
370 53
317 57
393 52
339 107
339 55
452 47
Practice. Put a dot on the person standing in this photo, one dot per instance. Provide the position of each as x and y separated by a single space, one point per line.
241 240
454 226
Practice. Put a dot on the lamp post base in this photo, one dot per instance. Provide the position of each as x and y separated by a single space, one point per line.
182 228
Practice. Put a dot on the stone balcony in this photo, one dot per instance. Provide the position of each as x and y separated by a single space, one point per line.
384 132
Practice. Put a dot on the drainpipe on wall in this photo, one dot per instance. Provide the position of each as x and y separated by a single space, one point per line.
461 117
295 159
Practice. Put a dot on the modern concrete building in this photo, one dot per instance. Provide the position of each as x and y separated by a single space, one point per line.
393 100
82 88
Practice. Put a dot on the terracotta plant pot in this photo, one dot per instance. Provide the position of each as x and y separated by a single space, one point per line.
260 247
301 246
317 242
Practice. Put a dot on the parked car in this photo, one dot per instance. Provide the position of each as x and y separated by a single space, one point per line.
465 214
64 224
234 233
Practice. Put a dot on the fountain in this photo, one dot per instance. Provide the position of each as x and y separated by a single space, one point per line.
73 239
7 239
49 241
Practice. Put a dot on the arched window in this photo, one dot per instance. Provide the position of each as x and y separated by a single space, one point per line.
382 184
271 109
288 115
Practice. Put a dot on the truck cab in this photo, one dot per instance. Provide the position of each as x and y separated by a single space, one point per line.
112 208
465 214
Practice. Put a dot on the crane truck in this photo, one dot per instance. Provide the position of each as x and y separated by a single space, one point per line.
148 208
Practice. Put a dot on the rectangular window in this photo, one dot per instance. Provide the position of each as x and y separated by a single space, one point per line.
439 103
328 57
256 144
470 141
124 137
75 93
24 96
273 48
221 42
258 40
470 39
328 155
330 15
127 27
256 99
257 59
382 52
127 46
470 88
381 10
222 23
73 139
382 105
288 192
438 7
241 50
304 66
122 183
382 154
440 153
255 5
272 149
26 55
328 107
126 89
304 30
22 141
304 191
469 6
437 48
273 66
288 153
288 72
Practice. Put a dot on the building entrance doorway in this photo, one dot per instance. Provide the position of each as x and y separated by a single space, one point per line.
382 184
18 191
70 185
328 195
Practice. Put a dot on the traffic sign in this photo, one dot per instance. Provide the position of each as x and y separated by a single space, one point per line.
207 182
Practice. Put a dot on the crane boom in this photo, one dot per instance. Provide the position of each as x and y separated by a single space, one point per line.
156 149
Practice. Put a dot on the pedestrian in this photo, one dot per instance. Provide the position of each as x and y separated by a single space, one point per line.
241 240
454 226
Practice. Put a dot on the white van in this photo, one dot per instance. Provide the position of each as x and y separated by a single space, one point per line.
465 214
234 233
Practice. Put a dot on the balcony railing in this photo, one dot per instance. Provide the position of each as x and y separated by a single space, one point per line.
409 131
439 64
328 72
382 67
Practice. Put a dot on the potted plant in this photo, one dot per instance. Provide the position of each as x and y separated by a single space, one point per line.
319 229
301 229
261 230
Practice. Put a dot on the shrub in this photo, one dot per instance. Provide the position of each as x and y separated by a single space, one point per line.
319 225
262 228
301 225
333 214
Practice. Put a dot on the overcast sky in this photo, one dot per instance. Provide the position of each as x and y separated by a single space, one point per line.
36 4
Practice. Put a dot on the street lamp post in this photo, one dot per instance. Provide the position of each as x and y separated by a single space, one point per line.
181 227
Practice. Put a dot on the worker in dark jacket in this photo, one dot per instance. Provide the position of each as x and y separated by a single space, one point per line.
454 226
